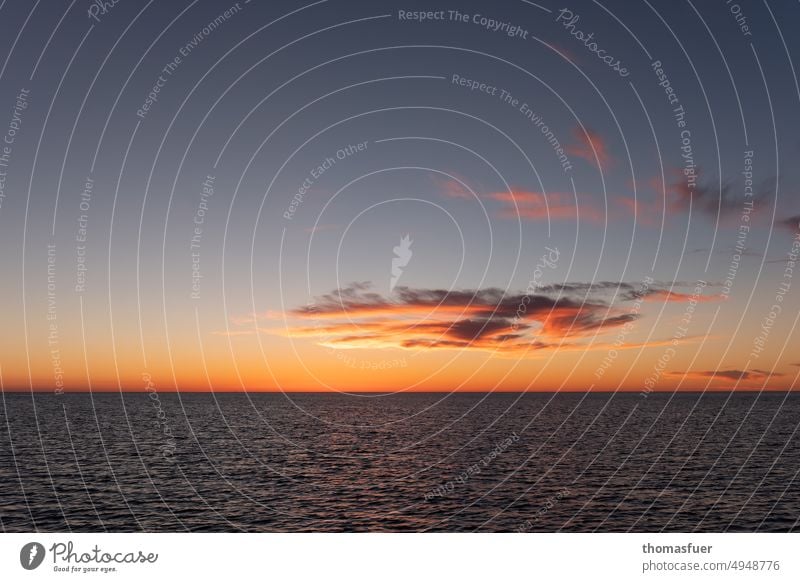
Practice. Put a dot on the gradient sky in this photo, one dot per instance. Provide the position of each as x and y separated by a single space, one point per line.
641 286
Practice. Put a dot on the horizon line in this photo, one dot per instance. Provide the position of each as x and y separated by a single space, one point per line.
393 392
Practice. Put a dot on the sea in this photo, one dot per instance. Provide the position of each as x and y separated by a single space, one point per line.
407 462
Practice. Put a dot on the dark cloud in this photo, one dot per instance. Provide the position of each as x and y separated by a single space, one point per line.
488 318
791 223
715 196
728 374
663 295
728 250
656 291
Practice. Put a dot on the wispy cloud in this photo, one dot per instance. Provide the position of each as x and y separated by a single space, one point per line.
790 223
563 52
255 317
667 295
626 291
643 212
708 196
590 146
453 188
243 332
714 196
728 250
540 206
726 374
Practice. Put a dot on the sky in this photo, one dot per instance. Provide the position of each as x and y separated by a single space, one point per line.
417 196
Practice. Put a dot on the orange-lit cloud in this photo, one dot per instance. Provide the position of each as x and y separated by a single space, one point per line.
558 316
643 212
483 319
592 147
666 295
563 52
539 206
453 188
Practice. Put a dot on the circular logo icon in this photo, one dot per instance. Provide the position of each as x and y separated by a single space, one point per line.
31 555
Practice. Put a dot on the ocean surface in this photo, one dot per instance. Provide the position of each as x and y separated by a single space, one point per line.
408 462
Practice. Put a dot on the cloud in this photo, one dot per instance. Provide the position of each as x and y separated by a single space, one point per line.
242 332
539 206
726 374
667 295
590 146
454 189
480 319
254 317
710 197
728 250
555 316
791 223
657 290
643 212
723 197
561 51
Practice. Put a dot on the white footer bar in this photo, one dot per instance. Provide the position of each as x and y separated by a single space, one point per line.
406 557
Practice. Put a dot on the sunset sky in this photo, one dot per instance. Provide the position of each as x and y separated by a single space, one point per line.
217 196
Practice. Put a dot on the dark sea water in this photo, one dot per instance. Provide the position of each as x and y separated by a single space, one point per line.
416 462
